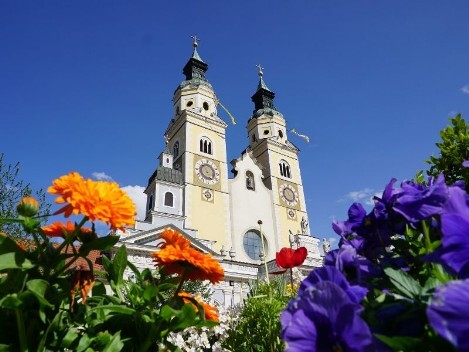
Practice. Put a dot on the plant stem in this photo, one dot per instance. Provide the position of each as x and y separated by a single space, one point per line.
426 235
183 277
291 281
21 331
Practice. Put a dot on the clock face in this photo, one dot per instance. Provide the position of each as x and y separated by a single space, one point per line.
207 171
288 194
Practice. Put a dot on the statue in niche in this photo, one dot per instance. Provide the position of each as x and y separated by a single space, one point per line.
250 181
305 226
326 245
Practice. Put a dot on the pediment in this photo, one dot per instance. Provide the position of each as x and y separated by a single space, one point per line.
148 240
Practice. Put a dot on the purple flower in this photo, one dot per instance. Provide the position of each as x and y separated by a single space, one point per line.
366 233
417 202
384 204
465 163
448 313
324 318
454 249
350 263
356 217
356 293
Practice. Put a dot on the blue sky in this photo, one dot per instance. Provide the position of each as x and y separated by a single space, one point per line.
87 86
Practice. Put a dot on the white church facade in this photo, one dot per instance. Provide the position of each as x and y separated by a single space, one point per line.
242 218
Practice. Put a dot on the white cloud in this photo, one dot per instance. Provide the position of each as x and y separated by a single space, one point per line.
370 200
102 176
465 89
357 196
140 199
364 196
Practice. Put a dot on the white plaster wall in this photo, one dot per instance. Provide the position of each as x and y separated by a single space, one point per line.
161 189
247 207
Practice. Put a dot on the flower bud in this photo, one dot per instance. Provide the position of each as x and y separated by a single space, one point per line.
28 207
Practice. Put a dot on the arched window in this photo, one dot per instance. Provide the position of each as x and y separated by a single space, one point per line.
284 169
205 145
252 244
168 199
176 149
250 181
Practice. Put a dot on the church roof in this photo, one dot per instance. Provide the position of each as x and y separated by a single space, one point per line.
263 98
167 174
143 239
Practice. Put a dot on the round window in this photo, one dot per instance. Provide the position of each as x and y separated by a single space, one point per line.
252 244
205 105
280 133
266 132
189 103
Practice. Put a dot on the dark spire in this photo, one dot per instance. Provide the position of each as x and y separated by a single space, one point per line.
195 67
263 98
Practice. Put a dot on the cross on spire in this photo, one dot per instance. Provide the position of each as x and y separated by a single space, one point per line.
196 40
260 73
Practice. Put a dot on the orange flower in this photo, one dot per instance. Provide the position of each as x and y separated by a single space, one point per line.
28 206
84 281
98 200
178 257
175 239
58 229
211 312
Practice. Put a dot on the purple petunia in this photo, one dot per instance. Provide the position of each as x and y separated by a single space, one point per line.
349 262
368 234
454 249
324 318
448 313
417 202
330 273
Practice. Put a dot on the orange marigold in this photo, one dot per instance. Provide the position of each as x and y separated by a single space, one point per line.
98 200
28 206
82 280
175 239
178 257
58 229
211 312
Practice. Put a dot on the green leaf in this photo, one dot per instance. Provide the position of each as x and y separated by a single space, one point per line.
70 337
8 245
101 243
115 344
98 289
119 263
114 308
107 264
150 292
11 301
403 282
401 343
14 261
39 288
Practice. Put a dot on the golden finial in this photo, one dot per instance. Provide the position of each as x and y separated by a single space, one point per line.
260 73
195 44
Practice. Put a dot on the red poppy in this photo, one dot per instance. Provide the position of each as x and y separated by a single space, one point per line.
289 258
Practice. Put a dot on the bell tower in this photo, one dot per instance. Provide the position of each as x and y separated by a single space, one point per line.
268 141
196 137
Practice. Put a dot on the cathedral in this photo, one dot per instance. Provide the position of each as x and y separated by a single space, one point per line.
243 211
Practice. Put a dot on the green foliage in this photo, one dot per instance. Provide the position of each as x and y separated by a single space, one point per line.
198 288
258 326
454 149
38 312
12 190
